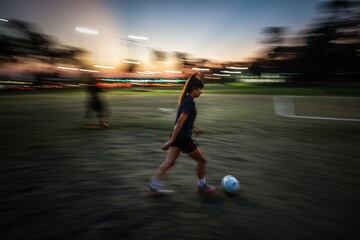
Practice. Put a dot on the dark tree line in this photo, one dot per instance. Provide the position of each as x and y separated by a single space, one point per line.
328 50
27 42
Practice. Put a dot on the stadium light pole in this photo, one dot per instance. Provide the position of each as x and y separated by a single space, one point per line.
132 44
85 31
138 37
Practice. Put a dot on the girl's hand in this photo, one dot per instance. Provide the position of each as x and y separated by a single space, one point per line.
198 131
166 145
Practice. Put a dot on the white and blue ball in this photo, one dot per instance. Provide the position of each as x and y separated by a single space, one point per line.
230 184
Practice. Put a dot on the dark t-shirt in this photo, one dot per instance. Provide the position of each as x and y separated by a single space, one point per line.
187 106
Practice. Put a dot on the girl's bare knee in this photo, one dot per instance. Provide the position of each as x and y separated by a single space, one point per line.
171 164
168 164
203 160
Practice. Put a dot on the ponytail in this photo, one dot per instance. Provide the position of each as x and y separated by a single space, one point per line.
191 83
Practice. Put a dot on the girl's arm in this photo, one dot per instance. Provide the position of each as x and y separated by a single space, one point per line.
197 131
180 122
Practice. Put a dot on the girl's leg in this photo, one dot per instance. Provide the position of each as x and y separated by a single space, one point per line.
155 183
201 159
172 155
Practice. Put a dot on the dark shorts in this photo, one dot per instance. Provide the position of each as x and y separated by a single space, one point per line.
185 144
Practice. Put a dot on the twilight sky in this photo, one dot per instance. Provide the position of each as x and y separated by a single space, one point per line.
218 30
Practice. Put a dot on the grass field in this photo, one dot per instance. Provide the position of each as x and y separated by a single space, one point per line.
299 177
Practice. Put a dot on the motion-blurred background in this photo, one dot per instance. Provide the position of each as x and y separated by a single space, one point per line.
47 44
280 111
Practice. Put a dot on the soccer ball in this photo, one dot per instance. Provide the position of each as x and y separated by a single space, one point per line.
230 184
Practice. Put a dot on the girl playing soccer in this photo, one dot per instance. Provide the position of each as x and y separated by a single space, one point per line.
180 139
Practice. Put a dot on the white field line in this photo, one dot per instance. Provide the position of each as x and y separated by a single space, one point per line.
284 106
167 110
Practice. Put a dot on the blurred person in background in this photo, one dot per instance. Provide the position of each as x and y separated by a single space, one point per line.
95 103
181 138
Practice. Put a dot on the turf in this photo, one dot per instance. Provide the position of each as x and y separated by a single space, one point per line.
299 178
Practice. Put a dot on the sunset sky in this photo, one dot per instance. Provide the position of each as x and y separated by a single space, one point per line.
227 30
